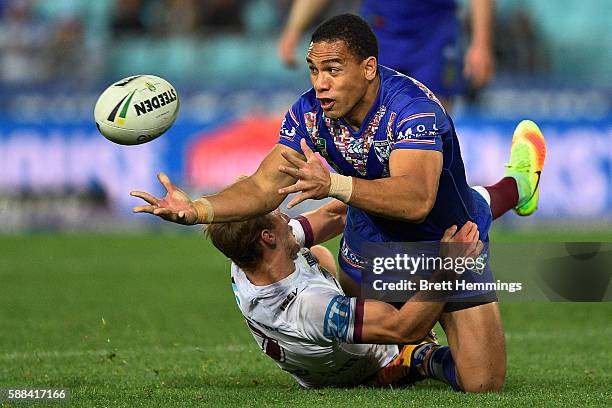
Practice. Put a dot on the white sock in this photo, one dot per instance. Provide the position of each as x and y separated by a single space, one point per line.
484 193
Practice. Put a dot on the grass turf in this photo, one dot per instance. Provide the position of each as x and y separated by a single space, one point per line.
150 320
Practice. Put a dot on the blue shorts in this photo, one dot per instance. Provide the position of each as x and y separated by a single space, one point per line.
355 263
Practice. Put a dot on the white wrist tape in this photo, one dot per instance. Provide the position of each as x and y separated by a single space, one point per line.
298 231
205 211
341 187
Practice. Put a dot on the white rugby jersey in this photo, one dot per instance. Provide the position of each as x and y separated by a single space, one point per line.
305 323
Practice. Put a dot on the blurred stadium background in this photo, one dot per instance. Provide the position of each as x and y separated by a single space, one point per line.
553 66
126 316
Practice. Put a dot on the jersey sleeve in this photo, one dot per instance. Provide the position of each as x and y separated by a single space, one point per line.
324 316
293 129
420 126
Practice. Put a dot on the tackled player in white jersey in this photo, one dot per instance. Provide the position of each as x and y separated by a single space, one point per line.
300 316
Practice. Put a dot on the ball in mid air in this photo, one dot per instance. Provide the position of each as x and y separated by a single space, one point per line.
136 109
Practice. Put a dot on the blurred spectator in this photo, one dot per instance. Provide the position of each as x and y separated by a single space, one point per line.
22 42
182 17
175 17
128 18
222 15
518 45
67 56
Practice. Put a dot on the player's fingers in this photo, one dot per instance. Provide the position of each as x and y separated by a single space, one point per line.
162 211
472 235
462 234
165 180
296 161
298 199
294 188
144 208
291 171
448 234
307 151
145 196
474 250
470 248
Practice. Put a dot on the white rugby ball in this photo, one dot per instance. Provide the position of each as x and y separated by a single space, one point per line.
136 109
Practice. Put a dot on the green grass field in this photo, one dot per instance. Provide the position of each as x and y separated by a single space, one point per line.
150 320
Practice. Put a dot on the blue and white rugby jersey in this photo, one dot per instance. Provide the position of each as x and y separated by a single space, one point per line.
305 323
405 115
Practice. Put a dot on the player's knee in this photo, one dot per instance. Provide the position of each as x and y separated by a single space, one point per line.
490 382
325 257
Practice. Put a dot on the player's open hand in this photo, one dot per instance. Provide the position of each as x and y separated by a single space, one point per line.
479 65
176 206
286 46
313 177
464 243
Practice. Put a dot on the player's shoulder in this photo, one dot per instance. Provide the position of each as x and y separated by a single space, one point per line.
307 102
403 93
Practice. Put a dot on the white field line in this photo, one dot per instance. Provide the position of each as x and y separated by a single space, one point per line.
27 355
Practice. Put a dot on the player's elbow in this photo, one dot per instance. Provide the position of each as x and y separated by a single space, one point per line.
420 210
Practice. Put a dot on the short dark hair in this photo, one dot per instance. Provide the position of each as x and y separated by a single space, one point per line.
353 30
239 240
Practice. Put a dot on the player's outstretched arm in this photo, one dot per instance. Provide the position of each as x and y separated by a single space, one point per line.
384 324
248 197
409 194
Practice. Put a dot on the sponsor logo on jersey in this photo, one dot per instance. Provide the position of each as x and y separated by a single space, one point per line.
416 127
290 298
268 344
321 145
351 257
155 102
338 318
309 256
382 148
287 132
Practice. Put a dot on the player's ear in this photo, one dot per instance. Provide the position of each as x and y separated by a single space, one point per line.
370 67
268 236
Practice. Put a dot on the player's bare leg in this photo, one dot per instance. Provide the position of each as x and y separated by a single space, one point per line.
326 259
477 345
349 286
475 360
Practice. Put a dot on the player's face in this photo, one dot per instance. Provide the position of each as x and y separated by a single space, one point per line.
286 237
339 79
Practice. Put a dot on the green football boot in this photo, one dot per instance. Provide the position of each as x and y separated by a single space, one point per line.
527 155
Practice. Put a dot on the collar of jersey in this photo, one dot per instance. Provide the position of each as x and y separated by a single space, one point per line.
286 283
371 112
